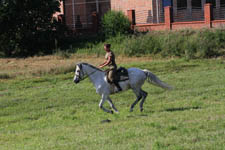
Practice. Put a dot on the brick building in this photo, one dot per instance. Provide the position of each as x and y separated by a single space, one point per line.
79 13
82 14
146 11
152 11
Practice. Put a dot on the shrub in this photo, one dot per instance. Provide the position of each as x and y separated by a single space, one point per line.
115 22
187 43
141 45
210 43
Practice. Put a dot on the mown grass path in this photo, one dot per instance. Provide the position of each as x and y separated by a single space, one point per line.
51 112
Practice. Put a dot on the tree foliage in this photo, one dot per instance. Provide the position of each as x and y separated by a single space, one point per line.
115 22
27 26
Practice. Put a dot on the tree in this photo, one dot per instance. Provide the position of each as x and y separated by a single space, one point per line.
115 22
27 26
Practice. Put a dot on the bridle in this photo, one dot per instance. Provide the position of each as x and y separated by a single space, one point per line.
81 70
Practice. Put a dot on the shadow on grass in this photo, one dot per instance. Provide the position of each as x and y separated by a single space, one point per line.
146 113
6 76
182 109
138 115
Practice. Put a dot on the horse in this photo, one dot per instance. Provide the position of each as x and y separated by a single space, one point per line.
135 81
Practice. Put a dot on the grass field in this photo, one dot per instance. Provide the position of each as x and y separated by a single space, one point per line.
47 111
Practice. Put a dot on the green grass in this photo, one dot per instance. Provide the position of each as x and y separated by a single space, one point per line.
52 113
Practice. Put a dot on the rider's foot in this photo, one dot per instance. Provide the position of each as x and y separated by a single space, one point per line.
118 89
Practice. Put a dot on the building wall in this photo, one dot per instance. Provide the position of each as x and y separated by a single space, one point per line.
143 8
124 5
79 13
146 12
75 13
208 22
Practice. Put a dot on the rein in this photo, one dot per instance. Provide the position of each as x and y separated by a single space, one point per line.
81 69
87 75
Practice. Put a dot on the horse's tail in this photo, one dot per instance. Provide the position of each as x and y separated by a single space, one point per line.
153 79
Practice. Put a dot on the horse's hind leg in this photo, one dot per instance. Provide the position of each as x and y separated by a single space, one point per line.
144 95
111 104
139 96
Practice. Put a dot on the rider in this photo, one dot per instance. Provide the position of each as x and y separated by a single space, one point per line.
110 61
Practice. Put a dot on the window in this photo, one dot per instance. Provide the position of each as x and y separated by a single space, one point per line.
181 3
222 2
94 1
196 3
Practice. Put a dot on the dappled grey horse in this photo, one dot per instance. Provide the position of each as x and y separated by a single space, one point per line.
136 79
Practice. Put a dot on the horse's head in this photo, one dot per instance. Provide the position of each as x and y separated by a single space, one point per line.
78 74
84 70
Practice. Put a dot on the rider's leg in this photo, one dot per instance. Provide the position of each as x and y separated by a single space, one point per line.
117 85
111 77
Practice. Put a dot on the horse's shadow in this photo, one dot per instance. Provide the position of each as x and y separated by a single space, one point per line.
146 113
181 109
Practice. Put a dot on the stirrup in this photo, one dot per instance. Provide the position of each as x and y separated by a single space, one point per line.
118 90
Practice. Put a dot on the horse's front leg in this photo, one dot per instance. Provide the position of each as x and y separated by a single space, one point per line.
102 102
112 105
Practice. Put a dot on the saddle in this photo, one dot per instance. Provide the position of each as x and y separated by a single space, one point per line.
121 75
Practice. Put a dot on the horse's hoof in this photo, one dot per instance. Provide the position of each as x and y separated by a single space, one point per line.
141 109
131 110
117 112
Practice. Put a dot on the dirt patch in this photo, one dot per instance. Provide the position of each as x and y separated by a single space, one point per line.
38 65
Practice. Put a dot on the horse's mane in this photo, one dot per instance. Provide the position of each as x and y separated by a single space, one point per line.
90 66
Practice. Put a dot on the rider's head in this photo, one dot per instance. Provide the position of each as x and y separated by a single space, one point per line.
107 47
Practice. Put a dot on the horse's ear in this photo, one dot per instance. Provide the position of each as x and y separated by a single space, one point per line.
79 65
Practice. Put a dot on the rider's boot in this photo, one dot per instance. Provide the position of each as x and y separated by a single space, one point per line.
118 86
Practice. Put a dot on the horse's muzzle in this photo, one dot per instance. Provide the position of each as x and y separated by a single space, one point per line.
76 81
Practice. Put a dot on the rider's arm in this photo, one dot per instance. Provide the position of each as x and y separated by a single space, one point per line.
106 62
